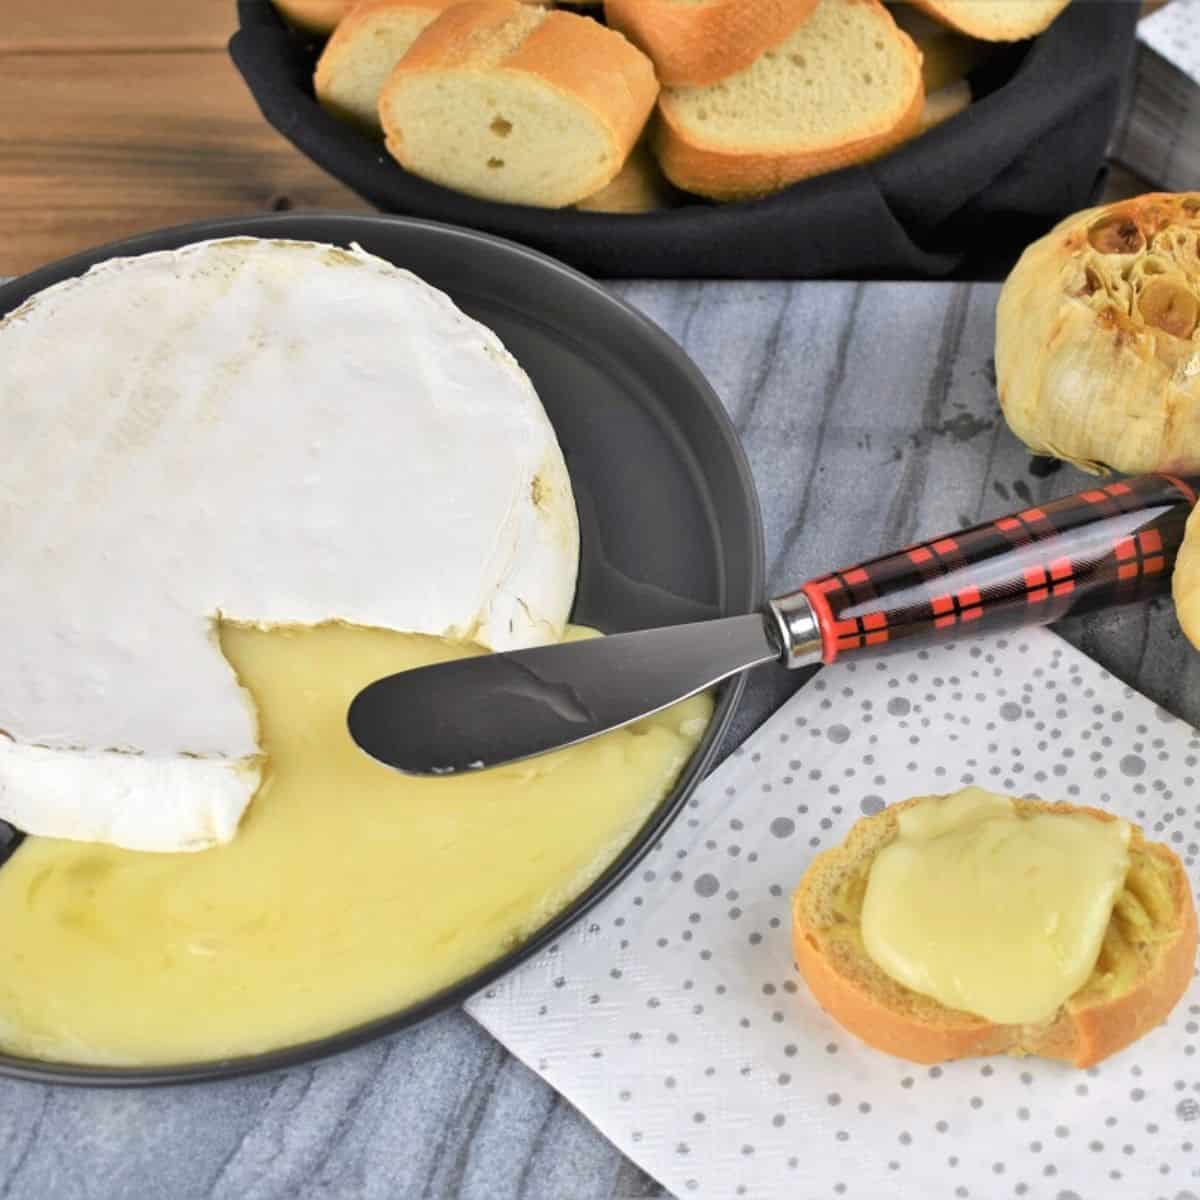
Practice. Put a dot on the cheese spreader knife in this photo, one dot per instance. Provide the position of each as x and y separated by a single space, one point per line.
1112 544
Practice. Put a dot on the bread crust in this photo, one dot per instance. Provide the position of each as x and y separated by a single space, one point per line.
341 41
1080 1033
702 43
725 173
323 16
313 16
598 66
1024 24
574 55
1103 1029
451 40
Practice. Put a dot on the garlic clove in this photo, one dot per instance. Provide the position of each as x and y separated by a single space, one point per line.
1116 234
1170 306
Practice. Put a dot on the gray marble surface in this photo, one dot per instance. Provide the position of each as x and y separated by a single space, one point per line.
869 415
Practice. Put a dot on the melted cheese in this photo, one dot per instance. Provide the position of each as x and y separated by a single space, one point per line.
351 891
990 911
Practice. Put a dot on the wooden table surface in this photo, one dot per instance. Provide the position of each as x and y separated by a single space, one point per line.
125 115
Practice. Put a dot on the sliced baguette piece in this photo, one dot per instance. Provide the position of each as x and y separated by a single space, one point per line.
945 103
639 187
843 88
313 16
366 45
1145 965
695 42
509 102
946 55
323 16
995 20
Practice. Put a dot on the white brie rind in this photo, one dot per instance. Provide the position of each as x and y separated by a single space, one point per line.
279 433
133 800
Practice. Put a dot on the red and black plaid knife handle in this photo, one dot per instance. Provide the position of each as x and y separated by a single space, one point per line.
1109 545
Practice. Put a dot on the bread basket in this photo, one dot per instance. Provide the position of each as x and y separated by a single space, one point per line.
962 199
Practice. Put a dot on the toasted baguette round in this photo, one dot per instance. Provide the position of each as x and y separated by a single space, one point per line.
366 45
701 41
1185 583
1145 964
513 103
995 20
844 87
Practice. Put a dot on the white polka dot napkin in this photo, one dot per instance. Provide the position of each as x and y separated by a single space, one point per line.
1174 31
674 1019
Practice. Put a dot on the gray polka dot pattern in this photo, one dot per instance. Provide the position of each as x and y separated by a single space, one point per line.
675 1019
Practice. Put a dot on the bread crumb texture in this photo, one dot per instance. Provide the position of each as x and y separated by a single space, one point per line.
696 42
798 91
995 20
843 88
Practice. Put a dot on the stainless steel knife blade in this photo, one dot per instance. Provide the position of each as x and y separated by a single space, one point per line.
474 713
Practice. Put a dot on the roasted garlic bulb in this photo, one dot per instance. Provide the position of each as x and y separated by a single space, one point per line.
1098 338
1186 581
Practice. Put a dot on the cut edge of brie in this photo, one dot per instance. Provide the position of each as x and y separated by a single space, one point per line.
137 801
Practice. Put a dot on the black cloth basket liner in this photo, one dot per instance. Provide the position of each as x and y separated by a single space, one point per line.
964 199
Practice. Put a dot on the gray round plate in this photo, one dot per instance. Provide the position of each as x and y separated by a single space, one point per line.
669 519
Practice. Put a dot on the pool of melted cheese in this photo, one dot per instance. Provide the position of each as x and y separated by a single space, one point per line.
349 892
